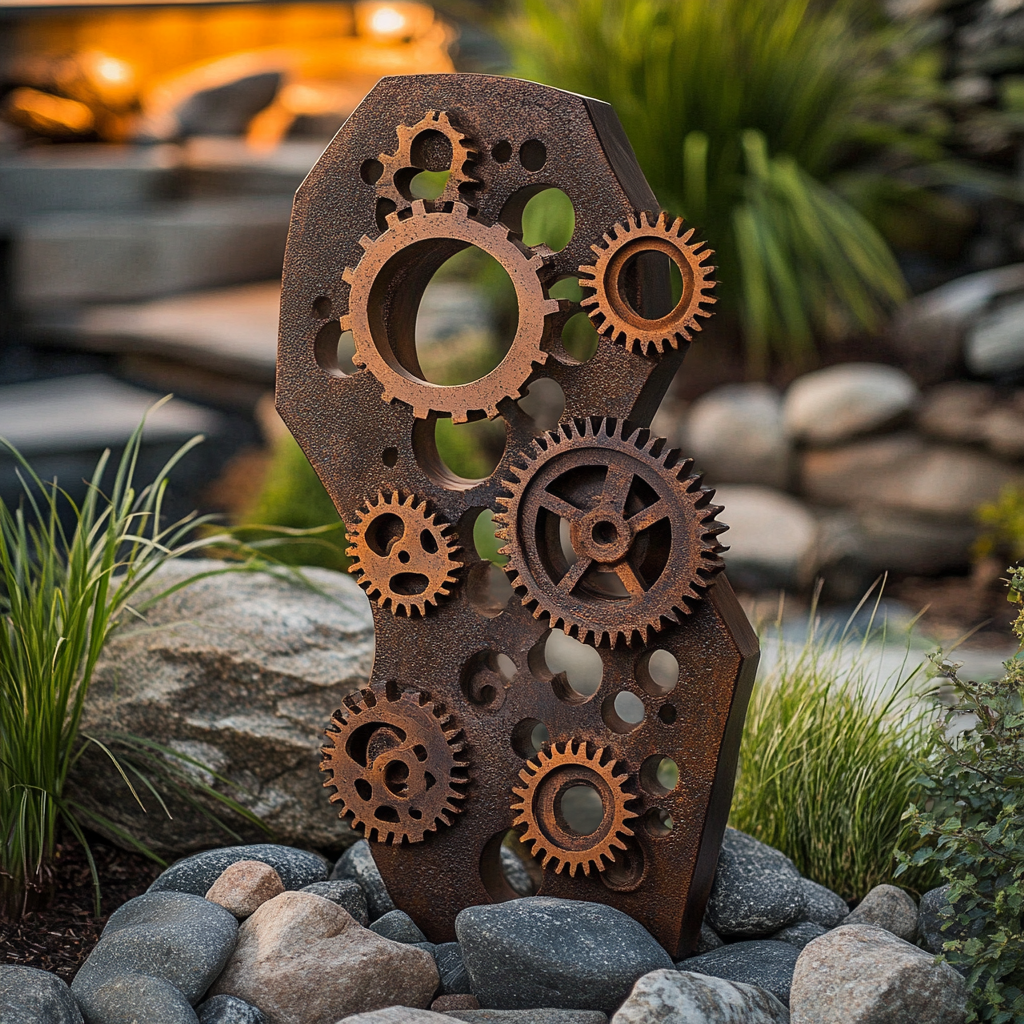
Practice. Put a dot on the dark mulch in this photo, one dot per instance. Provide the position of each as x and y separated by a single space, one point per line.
59 938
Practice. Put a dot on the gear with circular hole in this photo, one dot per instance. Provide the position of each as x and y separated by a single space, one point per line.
396 265
608 309
402 554
404 160
536 806
640 543
397 764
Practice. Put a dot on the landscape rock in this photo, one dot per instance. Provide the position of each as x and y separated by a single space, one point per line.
304 960
887 907
799 934
682 997
154 948
398 926
994 347
772 537
228 665
546 952
398 1015
765 963
757 889
957 411
862 974
931 917
30 995
358 865
346 893
830 406
229 1010
445 1004
196 874
822 905
540 1016
245 885
709 939
735 434
1004 431
452 969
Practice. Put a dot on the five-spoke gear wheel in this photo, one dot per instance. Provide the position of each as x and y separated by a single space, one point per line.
642 530
537 807
396 762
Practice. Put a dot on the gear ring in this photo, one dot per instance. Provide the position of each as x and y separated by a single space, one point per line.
609 311
403 159
536 805
392 274
641 526
401 554
394 760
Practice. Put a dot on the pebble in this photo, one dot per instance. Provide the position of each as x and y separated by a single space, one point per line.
833 405
304 960
563 954
682 997
957 411
995 346
766 963
757 889
822 905
452 968
887 907
799 934
244 886
197 873
930 919
541 1016
514 870
27 994
862 974
398 1015
445 1004
178 941
357 864
398 926
709 939
346 893
229 1010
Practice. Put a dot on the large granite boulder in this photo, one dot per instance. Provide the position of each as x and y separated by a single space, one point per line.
241 672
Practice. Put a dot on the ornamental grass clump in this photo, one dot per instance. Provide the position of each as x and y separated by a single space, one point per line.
69 574
830 757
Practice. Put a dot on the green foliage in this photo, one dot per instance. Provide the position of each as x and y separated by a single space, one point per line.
1001 525
970 824
61 595
828 763
735 108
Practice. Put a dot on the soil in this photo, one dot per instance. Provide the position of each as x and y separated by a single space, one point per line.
59 938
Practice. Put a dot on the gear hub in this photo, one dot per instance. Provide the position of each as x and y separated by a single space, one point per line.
396 763
537 808
639 543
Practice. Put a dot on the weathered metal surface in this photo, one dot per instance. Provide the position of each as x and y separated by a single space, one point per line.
609 534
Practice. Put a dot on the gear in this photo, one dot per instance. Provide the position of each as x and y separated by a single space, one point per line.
408 158
644 541
402 555
396 763
390 279
613 316
537 805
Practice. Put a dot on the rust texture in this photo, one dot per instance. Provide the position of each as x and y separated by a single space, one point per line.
464 733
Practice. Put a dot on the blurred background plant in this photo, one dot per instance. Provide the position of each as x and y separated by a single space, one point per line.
1001 528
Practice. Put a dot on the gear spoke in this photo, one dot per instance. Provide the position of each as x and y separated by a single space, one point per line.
567 584
630 579
647 517
617 485
559 506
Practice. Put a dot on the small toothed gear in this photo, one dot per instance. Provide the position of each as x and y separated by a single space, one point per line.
536 806
642 529
406 159
402 554
385 342
397 764
607 307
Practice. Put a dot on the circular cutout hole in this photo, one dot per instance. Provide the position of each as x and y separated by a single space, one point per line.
575 669
549 219
658 672
389 457
384 209
664 283
529 737
427 184
322 307
659 775
533 154
484 683
658 822
470 452
566 288
544 403
396 777
484 540
623 712
667 713
431 150
581 808
489 590
502 151
579 338
506 667
507 868
370 171
627 869
604 532
384 532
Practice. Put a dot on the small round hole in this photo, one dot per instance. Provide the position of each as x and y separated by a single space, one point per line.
470 451
489 590
322 307
659 775
623 712
370 171
389 457
506 667
409 584
428 184
566 288
581 808
668 714
384 208
396 777
627 870
484 540
604 532
658 672
502 151
549 219
579 338
529 737
533 154
575 669
507 869
544 403
658 822
432 150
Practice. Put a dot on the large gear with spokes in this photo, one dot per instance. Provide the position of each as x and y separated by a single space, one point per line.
399 264
607 306
642 544
402 554
413 155
397 764
537 807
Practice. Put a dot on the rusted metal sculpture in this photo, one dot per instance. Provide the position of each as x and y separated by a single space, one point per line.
609 534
